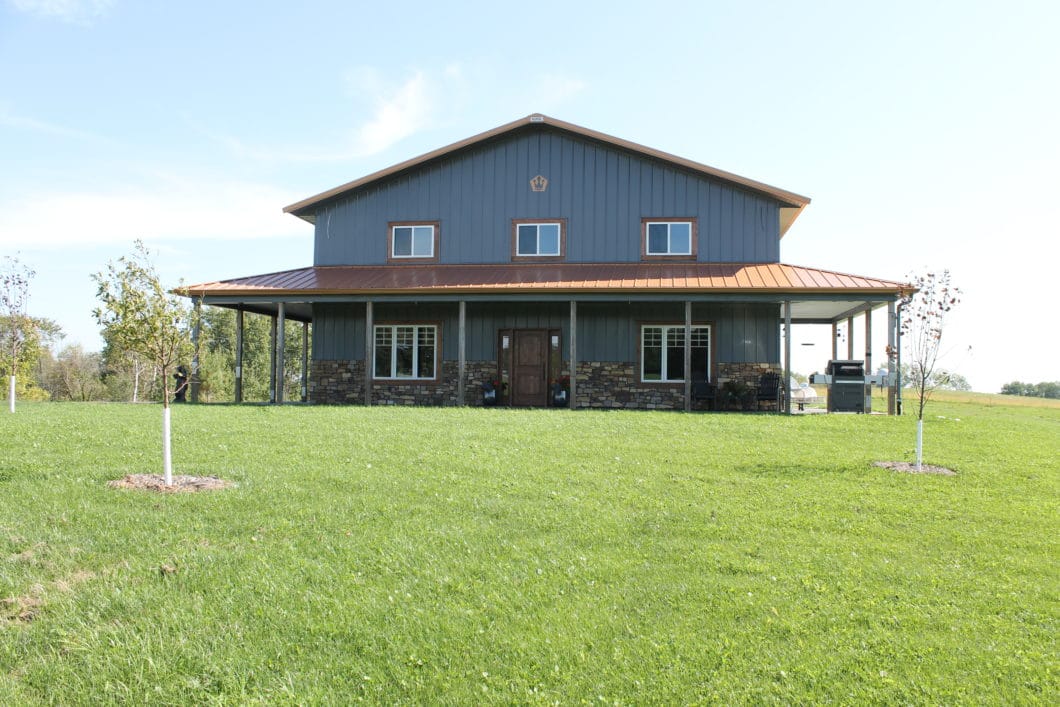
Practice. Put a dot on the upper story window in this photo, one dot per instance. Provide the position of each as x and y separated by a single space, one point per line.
413 241
674 239
539 238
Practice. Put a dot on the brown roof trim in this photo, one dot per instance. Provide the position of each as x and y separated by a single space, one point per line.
555 278
790 199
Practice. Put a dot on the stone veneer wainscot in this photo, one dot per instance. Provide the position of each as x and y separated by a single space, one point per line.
600 384
338 382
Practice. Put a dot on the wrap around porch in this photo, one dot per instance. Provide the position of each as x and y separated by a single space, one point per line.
478 335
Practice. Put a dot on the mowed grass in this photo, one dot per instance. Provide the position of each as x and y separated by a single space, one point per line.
464 556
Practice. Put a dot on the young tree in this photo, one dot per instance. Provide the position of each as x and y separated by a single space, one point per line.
14 295
38 335
924 312
140 316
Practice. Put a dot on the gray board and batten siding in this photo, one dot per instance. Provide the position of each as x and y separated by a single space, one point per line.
608 332
602 191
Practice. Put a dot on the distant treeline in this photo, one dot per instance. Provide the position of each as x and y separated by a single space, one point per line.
1049 389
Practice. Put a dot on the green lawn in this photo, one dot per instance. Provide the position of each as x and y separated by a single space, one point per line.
470 556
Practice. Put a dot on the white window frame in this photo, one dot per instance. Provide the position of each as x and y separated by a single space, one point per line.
393 329
669 247
413 227
537 239
665 329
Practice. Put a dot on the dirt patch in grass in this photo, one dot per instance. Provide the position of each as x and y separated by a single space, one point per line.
23 609
181 484
910 468
26 608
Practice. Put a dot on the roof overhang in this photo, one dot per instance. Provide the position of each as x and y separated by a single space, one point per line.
792 204
816 295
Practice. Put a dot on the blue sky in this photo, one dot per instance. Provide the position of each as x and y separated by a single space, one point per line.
925 133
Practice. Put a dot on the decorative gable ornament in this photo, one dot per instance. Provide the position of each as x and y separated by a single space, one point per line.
538 183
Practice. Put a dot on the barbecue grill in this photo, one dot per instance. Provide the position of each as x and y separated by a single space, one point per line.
846 386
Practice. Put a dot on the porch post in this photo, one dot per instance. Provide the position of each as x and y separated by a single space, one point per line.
462 355
785 384
892 326
688 356
850 338
196 333
369 351
573 354
868 358
239 355
305 361
835 340
281 330
272 359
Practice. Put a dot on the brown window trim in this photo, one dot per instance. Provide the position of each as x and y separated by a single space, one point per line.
392 260
516 258
644 255
639 371
409 381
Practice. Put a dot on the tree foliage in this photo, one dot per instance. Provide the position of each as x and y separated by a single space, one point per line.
218 356
76 374
138 315
1046 389
14 298
38 336
924 311
941 379
128 375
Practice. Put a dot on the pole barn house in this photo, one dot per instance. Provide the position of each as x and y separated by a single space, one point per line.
542 263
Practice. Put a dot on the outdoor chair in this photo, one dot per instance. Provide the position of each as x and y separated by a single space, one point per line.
769 390
704 391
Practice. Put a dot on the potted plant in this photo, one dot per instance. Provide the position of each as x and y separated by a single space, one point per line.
491 392
560 391
735 394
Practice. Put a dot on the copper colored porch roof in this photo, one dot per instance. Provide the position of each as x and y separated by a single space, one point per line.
557 278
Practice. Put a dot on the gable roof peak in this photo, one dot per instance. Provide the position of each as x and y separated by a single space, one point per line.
791 203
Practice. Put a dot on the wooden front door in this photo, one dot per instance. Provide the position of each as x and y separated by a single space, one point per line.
529 367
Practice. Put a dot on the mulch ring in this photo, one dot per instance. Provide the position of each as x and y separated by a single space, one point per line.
910 468
181 484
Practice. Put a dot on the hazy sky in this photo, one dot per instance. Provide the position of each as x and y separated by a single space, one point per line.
926 133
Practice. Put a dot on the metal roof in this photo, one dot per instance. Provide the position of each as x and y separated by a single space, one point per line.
793 203
548 278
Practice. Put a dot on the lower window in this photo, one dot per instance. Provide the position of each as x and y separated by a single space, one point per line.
662 353
406 351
